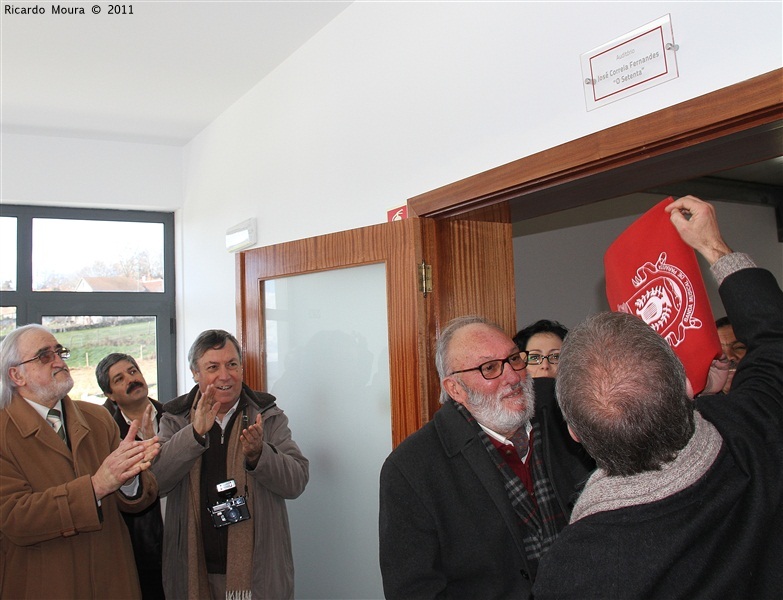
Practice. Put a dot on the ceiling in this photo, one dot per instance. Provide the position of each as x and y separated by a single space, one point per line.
164 73
160 75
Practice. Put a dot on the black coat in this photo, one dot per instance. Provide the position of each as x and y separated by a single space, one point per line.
146 530
447 528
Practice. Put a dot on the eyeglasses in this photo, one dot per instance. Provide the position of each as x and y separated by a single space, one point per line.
537 359
493 369
47 356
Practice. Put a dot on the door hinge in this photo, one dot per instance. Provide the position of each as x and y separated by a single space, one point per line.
425 278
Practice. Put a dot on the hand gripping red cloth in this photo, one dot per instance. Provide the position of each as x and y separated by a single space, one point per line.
653 274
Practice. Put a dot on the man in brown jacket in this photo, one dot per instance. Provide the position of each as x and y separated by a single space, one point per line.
63 480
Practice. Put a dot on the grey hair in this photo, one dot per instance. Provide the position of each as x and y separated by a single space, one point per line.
442 358
10 357
209 340
622 390
102 370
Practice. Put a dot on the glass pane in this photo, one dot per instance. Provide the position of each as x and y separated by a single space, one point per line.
97 256
7 320
8 253
328 365
91 338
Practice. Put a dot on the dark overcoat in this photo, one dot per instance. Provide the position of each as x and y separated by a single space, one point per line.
146 528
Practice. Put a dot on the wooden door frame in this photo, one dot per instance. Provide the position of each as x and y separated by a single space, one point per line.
739 124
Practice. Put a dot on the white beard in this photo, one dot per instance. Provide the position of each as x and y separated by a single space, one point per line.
56 390
491 411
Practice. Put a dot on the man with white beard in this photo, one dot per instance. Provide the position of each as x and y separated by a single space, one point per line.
65 475
471 501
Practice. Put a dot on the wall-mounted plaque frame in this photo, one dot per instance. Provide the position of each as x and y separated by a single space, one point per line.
627 65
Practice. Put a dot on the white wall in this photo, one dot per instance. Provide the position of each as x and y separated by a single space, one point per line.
52 171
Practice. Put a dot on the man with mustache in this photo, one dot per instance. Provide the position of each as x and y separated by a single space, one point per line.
64 478
471 501
123 383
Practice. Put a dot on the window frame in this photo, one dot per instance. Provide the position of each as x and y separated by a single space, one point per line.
32 306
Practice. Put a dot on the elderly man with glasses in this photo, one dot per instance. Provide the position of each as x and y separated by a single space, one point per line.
471 501
65 475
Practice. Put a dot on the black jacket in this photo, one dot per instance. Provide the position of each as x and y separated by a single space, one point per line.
146 527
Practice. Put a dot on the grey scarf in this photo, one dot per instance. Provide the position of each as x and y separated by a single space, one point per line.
604 492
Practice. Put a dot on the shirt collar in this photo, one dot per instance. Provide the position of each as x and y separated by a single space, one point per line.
224 421
43 410
154 418
500 438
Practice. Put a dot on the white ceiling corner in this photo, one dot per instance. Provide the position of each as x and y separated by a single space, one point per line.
159 75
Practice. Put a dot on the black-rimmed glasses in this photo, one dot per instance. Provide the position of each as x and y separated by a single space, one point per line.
537 359
47 356
493 369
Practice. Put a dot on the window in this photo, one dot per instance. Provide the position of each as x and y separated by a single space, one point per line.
101 256
101 280
7 253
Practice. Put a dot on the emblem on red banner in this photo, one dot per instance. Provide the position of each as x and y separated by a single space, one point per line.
664 299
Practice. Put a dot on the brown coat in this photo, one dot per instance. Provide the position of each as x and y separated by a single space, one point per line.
55 542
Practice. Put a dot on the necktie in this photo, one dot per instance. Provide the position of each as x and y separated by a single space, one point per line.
520 440
56 421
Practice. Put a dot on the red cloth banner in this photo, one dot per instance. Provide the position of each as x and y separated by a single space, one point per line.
653 274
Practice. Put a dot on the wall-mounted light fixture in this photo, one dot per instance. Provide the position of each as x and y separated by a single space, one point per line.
241 236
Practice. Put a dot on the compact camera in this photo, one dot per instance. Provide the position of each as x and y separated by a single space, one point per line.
230 510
